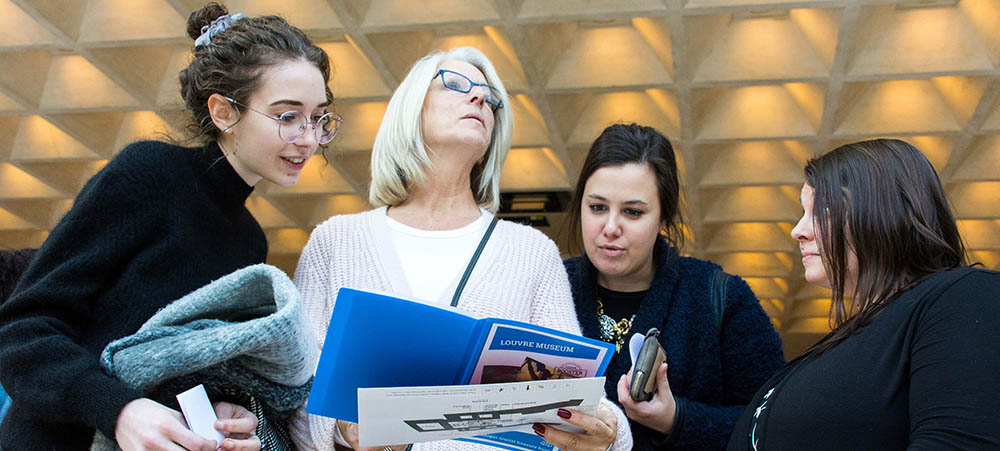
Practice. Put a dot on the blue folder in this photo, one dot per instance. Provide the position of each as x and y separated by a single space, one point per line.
377 340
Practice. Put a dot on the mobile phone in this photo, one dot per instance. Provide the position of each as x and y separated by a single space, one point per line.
651 355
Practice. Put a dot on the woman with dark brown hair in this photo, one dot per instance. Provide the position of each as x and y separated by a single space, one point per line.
156 223
720 345
912 362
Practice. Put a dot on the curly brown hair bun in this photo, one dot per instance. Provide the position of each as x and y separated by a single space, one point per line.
204 16
233 63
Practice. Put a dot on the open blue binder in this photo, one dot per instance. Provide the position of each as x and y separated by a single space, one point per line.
377 340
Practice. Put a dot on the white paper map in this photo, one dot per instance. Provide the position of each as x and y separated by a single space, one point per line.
421 414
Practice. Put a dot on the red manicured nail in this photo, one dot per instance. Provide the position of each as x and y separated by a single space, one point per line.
564 413
539 429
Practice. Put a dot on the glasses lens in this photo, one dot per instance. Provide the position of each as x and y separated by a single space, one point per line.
291 126
326 127
493 98
455 81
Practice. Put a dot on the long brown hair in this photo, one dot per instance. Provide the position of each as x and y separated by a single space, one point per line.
622 144
882 200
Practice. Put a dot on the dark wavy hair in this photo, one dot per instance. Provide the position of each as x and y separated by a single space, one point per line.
232 64
882 200
622 144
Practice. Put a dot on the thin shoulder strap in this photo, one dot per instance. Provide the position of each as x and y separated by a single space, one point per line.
718 285
472 262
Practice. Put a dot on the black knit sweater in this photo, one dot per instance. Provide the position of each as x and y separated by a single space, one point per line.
713 374
158 222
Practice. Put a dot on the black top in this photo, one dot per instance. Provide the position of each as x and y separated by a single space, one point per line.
620 304
713 373
158 222
923 375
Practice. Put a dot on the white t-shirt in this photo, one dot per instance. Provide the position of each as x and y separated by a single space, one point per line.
432 260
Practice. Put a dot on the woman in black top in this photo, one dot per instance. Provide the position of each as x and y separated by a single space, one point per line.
913 361
719 347
158 222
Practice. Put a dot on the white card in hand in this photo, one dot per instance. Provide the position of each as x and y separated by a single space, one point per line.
635 345
199 414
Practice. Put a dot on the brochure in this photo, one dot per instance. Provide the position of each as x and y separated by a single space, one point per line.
421 414
377 340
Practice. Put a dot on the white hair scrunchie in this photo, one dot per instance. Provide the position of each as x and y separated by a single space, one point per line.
217 26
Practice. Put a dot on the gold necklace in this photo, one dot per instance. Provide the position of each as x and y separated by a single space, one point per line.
613 331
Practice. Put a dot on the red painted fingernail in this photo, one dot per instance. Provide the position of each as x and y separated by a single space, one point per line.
564 413
539 429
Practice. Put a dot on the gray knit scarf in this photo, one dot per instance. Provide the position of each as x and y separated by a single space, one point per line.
242 335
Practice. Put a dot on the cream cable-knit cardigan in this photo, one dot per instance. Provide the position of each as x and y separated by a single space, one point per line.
519 276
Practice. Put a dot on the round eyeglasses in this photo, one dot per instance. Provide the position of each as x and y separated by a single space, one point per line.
292 124
458 82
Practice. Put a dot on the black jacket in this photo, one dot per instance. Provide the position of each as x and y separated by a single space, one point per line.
713 374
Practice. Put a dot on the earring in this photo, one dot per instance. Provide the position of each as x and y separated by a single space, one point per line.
227 130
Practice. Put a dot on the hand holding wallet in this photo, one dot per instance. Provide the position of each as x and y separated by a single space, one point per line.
651 355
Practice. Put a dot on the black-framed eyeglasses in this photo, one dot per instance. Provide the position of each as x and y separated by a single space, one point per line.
292 124
458 82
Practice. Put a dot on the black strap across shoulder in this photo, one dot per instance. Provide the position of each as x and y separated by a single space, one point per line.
472 262
718 284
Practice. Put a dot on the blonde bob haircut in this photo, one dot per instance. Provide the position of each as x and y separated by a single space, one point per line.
400 158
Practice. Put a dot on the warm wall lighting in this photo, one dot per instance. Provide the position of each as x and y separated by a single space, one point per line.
506 48
751 236
812 308
38 139
761 48
820 27
989 259
900 106
667 103
980 234
396 12
353 75
752 204
17 184
529 124
608 56
809 326
305 14
532 169
9 221
754 112
962 93
750 163
658 39
765 287
122 20
74 83
266 214
620 107
17 29
286 241
896 41
339 204
979 200
757 264
141 125
364 120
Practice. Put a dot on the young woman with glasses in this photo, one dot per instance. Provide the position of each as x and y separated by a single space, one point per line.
435 182
157 222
